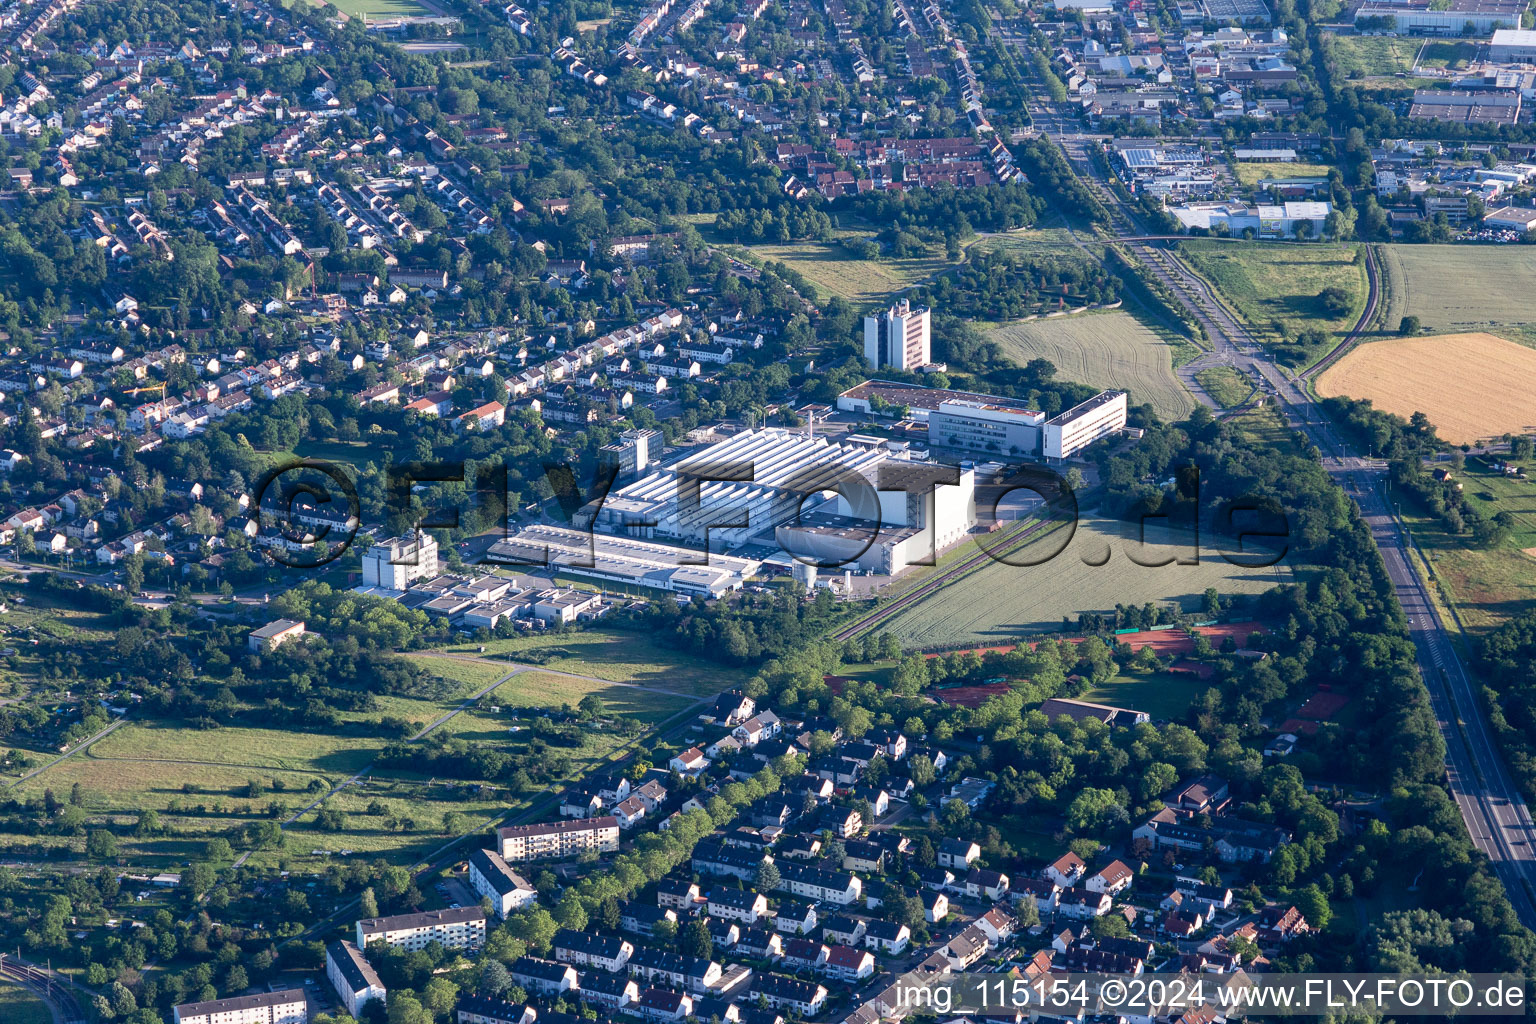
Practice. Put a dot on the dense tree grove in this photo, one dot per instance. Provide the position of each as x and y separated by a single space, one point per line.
1507 660
1002 285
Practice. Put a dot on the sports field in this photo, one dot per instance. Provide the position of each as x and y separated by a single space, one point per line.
374 10
1453 288
1002 601
1108 350
1471 386
1163 695
1275 288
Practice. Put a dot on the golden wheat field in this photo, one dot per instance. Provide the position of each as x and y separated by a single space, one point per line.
1471 386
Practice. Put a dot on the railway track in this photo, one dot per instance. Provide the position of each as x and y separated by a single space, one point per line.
41 983
1372 301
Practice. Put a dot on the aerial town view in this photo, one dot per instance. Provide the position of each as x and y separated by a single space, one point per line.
765 511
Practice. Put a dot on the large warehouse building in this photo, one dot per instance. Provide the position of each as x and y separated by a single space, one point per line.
1512 46
1445 17
857 503
624 560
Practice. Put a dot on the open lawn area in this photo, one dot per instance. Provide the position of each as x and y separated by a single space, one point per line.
1456 288
239 746
1163 695
1488 586
18 1006
1250 174
835 270
1228 385
1002 601
1108 350
473 674
553 690
1471 386
1374 55
620 656
1275 287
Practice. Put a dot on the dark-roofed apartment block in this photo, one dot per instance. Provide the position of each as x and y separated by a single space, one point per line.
559 839
285 1007
354 979
454 929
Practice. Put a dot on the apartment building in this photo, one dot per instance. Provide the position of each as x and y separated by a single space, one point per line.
493 878
356 982
285 1007
559 839
454 929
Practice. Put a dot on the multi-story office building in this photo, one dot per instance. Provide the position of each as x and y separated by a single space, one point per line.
985 426
1072 431
394 563
558 839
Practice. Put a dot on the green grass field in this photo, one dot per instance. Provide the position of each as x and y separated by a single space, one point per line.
1250 174
1361 58
1110 350
257 749
1374 55
1488 586
17 1006
1457 288
1163 695
374 10
1227 385
1275 286
834 270
198 779
1002 601
619 656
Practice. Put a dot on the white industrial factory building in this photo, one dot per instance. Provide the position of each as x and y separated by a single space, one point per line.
857 503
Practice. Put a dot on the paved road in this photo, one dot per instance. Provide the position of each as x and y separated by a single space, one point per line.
1496 816
68 754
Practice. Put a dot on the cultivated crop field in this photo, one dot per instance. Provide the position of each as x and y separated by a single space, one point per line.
1453 288
1471 386
1275 286
1002 601
1108 350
